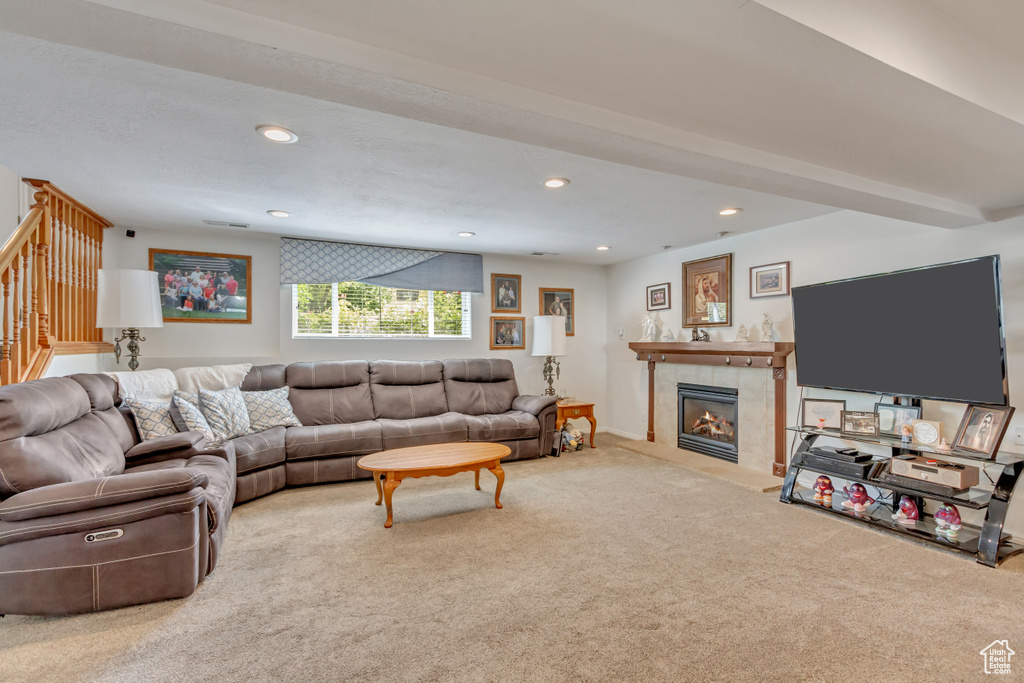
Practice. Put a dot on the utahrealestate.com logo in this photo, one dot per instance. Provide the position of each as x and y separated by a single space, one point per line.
997 657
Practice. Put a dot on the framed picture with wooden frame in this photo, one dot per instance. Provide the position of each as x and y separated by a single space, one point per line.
982 429
769 280
707 288
507 333
203 287
505 291
659 297
554 301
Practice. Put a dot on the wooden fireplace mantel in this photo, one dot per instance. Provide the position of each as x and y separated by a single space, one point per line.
770 355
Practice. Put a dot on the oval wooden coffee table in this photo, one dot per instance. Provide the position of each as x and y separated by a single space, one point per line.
435 460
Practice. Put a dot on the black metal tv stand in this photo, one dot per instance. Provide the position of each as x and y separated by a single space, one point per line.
987 543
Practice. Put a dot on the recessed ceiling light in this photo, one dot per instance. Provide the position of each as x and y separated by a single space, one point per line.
723 233
277 213
603 247
729 212
555 183
467 234
277 134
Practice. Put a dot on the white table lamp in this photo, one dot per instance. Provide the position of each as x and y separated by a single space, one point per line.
549 341
128 299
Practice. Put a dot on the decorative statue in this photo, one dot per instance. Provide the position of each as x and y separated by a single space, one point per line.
647 327
667 335
821 423
700 335
768 332
742 335
907 514
857 497
944 446
947 521
823 490
906 434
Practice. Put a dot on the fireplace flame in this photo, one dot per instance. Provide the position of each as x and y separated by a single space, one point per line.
712 426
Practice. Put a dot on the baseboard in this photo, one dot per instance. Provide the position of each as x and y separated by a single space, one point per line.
619 432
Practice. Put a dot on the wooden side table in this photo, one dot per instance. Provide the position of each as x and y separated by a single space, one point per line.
570 410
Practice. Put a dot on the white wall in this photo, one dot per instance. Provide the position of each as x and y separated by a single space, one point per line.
268 339
831 247
12 192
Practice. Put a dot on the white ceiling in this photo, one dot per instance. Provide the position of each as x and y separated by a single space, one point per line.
417 120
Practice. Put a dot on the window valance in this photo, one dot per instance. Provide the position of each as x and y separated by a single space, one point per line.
321 262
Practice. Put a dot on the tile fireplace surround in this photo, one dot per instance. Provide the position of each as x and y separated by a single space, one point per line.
756 369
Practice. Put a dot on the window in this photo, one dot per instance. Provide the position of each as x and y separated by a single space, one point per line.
356 309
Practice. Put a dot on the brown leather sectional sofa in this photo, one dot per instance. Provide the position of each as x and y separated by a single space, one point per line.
93 518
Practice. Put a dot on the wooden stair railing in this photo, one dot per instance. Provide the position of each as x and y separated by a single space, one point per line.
48 278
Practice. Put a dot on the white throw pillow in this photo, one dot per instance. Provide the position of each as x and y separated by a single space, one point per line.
148 384
269 409
225 412
153 417
211 378
191 417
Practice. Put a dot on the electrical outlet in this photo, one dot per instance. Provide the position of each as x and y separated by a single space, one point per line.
622 333
1018 440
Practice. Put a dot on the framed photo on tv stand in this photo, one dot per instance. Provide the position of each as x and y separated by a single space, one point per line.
982 429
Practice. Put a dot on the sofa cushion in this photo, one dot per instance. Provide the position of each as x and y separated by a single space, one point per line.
330 392
480 386
256 451
407 389
38 407
103 397
225 411
211 377
153 416
264 378
327 441
220 488
84 449
508 426
268 409
444 428
188 416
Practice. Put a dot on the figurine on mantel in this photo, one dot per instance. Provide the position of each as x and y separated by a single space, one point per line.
667 335
647 328
700 335
823 490
907 514
857 497
768 332
742 335
947 521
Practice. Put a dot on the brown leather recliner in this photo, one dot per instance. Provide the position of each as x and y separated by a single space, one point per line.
90 520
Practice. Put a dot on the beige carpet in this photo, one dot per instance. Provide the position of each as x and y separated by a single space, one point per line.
604 565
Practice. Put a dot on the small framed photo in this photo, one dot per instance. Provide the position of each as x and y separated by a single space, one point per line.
823 413
707 288
508 333
559 302
505 293
926 433
203 287
892 417
659 297
982 429
769 280
859 423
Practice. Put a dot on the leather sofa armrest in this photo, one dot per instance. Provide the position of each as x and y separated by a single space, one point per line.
180 445
90 494
534 405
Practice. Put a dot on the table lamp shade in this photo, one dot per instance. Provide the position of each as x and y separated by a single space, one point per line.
128 298
548 335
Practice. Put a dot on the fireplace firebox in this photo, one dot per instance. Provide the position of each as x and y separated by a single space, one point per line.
707 420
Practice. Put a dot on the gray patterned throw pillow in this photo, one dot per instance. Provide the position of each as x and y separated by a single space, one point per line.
269 409
225 412
152 416
191 416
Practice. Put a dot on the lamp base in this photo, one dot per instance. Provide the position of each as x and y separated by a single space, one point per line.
133 337
552 369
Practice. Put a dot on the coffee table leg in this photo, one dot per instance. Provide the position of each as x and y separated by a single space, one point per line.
380 493
477 475
500 474
389 487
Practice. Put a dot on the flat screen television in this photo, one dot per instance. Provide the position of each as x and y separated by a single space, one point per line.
934 332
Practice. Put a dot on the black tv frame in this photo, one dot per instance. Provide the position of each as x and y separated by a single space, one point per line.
997 273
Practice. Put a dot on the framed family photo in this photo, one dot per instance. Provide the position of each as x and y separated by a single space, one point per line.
769 280
982 428
559 302
707 288
659 297
508 333
505 291
203 287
